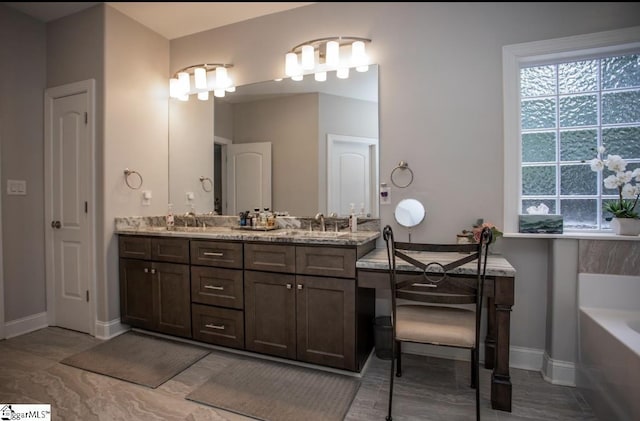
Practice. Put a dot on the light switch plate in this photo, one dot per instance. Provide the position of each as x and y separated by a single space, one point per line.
17 187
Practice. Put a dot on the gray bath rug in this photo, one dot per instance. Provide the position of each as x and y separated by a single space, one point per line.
275 391
138 358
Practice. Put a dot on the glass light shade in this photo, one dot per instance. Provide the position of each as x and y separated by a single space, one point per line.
320 76
174 88
218 93
230 89
291 67
333 54
222 78
342 73
185 84
184 97
362 68
358 56
200 76
203 96
308 53
297 78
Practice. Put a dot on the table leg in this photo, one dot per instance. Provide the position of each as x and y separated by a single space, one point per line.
500 379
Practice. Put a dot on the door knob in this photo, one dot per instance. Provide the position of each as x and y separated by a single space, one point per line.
56 224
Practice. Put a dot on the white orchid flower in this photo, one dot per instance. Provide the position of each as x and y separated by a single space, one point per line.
596 164
615 163
630 191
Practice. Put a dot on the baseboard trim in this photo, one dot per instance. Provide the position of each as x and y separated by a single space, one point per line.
25 325
562 373
110 329
526 358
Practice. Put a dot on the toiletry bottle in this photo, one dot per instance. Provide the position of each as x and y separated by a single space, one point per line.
362 213
170 220
353 219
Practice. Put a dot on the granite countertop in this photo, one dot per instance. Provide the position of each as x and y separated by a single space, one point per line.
377 260
283 235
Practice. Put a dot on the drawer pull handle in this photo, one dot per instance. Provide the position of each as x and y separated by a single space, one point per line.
219 327
208 253
424 285
214 287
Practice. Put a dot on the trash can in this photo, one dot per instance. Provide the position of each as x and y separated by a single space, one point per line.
383 336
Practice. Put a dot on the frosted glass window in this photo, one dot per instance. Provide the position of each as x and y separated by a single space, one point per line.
578 145
538 81
539 147
579 110
581 76
580 213
567 110
539 180
539 114
620 107
621 72
578 180
623 141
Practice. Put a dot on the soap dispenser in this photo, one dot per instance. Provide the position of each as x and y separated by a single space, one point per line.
170 220
353 219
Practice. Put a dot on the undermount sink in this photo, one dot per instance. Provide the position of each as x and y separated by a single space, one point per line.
201 229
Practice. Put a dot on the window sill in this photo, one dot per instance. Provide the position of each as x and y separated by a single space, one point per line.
576 236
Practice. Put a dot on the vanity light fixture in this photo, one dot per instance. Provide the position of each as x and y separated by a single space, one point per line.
321 55
206 78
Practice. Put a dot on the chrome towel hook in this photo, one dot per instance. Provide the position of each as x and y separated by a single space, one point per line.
204 181
402 165
127 173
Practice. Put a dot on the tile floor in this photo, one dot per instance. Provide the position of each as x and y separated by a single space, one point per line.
430 388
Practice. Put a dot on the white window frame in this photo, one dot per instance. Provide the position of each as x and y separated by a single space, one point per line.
513 58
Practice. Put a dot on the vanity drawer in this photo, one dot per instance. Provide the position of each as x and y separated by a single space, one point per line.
326 261
218 326
270 257
216 253
174 250
217 286
134 247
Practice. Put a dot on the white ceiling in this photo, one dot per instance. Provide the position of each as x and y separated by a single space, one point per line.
169 19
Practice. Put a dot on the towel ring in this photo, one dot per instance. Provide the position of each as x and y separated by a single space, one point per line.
204 185
402 165
127 173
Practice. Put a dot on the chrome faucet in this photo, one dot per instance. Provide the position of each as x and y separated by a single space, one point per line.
320 217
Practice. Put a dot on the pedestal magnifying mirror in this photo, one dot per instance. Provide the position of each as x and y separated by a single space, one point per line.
409 213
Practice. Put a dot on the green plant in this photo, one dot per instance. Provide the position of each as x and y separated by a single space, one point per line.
626 182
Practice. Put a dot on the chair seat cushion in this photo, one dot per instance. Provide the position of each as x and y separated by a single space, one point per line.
436 325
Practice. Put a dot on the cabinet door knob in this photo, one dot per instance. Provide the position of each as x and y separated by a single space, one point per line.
289 286
146 270
153 271
300 286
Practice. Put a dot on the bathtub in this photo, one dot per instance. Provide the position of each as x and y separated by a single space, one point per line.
608 368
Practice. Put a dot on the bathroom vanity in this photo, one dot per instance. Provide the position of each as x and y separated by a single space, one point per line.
287 293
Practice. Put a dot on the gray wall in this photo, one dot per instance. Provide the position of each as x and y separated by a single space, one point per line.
22 83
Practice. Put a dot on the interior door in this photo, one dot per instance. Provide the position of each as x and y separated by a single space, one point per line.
352 176
248 177
68 164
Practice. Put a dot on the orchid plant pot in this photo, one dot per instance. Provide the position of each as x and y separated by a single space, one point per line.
626 226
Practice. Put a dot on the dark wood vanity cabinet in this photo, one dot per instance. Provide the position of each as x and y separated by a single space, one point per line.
154 284
217 292
306 305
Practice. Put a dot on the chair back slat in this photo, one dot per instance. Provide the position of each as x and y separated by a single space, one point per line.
436 298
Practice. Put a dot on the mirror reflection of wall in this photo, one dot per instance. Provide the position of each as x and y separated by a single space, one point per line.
297 123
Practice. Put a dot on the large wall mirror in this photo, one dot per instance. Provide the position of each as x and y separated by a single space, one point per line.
297 147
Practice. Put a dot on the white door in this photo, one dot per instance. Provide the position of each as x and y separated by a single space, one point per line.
351 174
68 189
248 177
